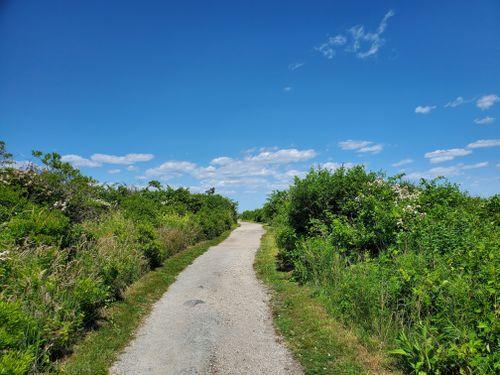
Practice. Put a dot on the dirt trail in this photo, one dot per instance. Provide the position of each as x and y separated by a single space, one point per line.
214 319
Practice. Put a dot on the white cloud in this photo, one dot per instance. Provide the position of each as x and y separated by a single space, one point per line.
132 168
283 156
455 103
487 101
79 161
373 149
403 162
287 89
263 169
222 160
361 146
485 120
114 171
362 43
453 170
425 109
171 168
433 173
97 160
295 66
353 145
482 143
125 160
439 156
373 40
327 47
288 176
474 166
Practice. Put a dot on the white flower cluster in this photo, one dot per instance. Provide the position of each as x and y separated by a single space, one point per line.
403 193
378 182
61 205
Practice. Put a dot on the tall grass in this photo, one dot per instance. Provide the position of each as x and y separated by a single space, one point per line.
69 247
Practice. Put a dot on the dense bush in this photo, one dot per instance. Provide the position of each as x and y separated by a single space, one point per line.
69 247
413 266
256 215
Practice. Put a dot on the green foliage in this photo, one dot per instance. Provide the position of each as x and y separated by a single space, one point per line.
413 266
70 247
256 215
37 224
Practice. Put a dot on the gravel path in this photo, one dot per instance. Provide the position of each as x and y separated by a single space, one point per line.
214 319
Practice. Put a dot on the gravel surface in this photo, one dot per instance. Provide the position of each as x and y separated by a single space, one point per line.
214 319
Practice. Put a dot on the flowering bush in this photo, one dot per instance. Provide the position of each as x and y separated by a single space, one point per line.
69 247
414 266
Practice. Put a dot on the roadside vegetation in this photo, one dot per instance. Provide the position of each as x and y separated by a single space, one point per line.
256 215
99 349
318 341
412 269
70 247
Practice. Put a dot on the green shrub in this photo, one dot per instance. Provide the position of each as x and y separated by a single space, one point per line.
116 252
150 245
37 225
256 215
214 222
19 339
69 247
413 266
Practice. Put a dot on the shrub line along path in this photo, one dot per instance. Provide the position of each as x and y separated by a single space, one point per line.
214 319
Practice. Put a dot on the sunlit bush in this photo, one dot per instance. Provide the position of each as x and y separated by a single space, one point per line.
414 266
69 247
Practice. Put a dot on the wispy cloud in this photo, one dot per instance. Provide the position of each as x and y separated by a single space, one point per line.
425 109
455 102
453 170
328 48
294 66
222 160
114 171
403 162
485 120
282 156
361 146
374 41
439 156
356 40
483 143
79 161
483 164
171 168
487 101
287 88
97 160
125 160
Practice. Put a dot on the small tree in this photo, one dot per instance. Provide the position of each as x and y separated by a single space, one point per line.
5 157
154 184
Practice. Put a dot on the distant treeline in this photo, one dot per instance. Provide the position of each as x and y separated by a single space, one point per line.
412 267
70 246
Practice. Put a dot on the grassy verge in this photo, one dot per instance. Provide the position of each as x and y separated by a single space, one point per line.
96 353
320 343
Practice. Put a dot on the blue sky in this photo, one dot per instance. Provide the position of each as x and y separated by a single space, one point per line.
245 95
